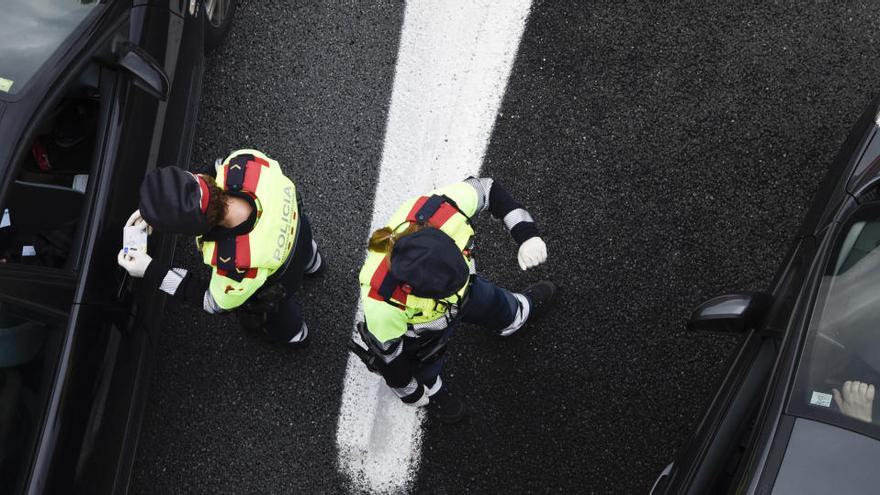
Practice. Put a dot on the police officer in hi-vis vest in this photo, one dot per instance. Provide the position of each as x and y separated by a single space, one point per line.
250 231
419 281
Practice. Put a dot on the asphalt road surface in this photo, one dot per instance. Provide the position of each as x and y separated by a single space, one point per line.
668 154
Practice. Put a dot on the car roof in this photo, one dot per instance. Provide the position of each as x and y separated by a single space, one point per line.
824 459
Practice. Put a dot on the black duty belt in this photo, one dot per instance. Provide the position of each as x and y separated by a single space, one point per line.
373 362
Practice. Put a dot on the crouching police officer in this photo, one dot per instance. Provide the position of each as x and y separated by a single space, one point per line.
249 230
419 282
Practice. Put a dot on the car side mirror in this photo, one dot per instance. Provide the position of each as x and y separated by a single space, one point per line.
731 313
148 74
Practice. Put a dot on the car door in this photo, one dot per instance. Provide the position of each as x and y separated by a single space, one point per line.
35 334
152 131
146 132
82 407
709 462
143 132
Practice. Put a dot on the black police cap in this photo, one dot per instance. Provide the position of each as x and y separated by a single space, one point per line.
171 201
430 263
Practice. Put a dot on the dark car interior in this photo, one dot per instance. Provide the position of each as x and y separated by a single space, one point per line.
46 200
41 217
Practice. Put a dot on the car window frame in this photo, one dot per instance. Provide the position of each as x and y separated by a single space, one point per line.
108 76
64 322
50 293
794 405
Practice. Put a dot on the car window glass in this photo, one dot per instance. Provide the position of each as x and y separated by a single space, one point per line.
30 32
29 352
40 215
840 371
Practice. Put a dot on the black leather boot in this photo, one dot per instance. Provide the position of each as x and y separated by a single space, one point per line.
540 296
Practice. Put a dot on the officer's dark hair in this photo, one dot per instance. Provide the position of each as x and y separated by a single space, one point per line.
382 240
217 201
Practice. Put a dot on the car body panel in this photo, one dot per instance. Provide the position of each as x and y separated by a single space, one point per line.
94 414
822 459
747 375
765 439
768 445
768 441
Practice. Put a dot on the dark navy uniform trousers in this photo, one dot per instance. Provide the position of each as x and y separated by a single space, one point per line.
488 306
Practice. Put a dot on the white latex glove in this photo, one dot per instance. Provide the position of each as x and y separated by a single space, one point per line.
136 220
134 262
532 253
856 401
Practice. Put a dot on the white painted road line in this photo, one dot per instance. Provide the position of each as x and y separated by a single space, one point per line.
454 60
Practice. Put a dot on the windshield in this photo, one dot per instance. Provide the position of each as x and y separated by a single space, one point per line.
840 371
30 32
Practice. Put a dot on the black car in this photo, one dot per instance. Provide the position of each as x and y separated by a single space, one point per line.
92 95
796 412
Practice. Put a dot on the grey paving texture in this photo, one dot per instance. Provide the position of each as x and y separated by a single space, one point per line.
668 153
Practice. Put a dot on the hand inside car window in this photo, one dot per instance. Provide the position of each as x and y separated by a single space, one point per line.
856 400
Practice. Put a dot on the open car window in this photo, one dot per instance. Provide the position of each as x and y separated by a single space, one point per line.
839 374
42 213
30 32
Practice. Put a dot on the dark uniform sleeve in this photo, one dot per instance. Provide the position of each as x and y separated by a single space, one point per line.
181 285
494 198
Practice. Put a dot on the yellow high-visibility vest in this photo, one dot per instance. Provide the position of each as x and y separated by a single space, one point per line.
387 320
241 265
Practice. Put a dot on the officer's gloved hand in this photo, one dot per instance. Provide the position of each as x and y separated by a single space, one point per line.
134 262
136 220
532 253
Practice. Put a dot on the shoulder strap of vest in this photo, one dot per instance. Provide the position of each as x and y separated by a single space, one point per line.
384 286
226 251
232 257
455 205
235 170
429 210
243 173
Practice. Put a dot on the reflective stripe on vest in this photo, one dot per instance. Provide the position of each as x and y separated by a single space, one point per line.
241 259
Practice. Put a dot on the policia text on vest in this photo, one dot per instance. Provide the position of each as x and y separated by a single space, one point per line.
249 230
419 281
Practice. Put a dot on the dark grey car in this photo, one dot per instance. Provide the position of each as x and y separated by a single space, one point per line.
93 94
796 412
